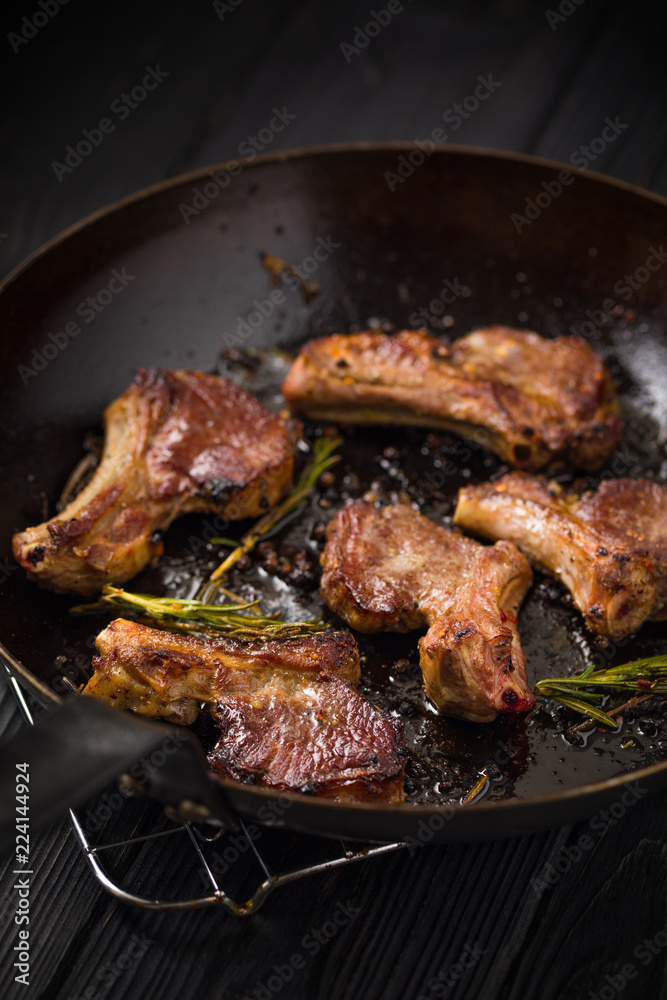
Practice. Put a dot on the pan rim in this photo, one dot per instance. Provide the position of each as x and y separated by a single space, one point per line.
417 810
303 152
413 809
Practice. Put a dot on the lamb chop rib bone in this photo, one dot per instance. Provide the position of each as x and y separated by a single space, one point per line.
176 442
609 548
534 401
394 570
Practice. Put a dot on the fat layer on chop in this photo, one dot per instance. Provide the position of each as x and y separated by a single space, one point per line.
394 570
175 442
287 713
608 547
535 402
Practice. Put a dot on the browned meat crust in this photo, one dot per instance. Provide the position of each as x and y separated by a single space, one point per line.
609 548
176 441
394 570
324 739
159 673
288 716
533 401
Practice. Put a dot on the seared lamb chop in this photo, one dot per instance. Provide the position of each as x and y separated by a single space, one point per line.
288 716
323 738
393 570
609 548
176 441
159 673
533 401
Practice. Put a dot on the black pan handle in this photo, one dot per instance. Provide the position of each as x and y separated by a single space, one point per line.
74 751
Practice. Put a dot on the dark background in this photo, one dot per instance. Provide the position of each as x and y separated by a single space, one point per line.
227 71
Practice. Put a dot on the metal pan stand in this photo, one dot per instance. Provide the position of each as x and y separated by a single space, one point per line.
119 865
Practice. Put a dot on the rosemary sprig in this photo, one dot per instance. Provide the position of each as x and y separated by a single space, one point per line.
647 676
476 790
617 712
322 459
228 619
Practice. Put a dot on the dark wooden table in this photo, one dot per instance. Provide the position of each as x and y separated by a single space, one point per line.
463 921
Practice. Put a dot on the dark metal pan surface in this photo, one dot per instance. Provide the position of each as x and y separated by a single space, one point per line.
384 235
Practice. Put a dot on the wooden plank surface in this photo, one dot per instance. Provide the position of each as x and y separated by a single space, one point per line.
403 921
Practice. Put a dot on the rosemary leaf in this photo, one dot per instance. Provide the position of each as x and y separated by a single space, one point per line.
592 711
476 790
228 619
555 691
647 675
322 459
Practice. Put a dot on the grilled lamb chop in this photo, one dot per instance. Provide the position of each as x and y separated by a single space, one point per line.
393 570
288 716
533 401
324 739
609 548
176 442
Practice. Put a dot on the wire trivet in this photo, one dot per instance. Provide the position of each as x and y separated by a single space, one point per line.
118 864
